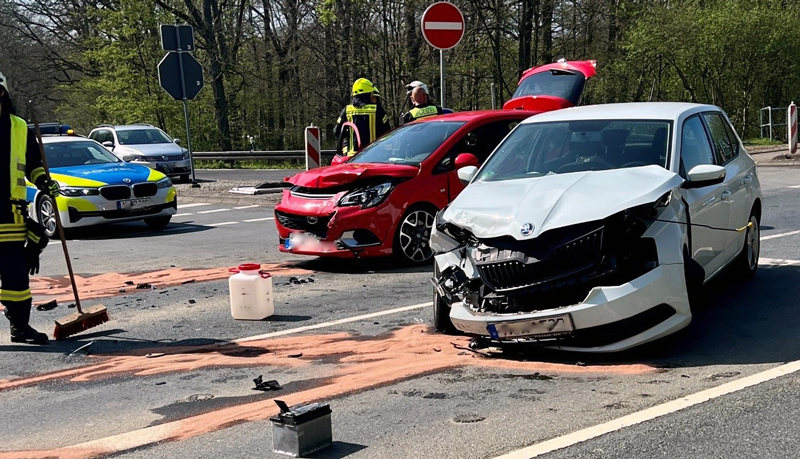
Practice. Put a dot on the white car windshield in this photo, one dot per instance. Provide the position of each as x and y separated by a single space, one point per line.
410 144
142 136
68 154
537 149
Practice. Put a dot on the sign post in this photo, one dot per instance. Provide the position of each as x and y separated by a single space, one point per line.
180 74
313 159
792 127
442 27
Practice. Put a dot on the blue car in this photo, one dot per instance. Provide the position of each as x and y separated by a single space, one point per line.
98 188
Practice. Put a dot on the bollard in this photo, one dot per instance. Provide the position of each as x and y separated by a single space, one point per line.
791 123
313 159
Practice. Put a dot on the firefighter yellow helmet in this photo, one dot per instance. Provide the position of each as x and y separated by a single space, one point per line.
363 86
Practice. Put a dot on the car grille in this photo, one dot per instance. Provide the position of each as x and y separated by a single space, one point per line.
575 256
168 157
316 225
144 190
115 192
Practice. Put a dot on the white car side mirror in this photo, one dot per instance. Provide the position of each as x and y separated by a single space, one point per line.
704 175
466 174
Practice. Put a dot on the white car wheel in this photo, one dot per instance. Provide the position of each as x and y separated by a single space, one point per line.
47 215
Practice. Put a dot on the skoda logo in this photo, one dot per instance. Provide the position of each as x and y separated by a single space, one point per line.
526 229
126 180
312 220
165 157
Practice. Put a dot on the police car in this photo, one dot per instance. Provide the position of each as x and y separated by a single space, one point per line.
97 187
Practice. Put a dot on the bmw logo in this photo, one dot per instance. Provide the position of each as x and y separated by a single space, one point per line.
312 220
126 180
526 229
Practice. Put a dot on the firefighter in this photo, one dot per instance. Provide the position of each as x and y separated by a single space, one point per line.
21 240
422 105
367 113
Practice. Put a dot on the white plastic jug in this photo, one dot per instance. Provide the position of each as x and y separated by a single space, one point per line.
251 293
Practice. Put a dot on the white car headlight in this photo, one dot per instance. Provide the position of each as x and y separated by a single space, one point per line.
164 183
73 191
367 197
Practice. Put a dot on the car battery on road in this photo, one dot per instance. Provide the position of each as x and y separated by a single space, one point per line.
302 429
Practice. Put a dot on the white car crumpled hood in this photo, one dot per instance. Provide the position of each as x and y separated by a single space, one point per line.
493 209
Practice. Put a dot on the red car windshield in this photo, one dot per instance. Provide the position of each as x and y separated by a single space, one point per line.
565 84
410 144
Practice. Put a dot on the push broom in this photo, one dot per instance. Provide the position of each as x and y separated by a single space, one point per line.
81 319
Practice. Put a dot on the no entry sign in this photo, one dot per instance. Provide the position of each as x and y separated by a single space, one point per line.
442 25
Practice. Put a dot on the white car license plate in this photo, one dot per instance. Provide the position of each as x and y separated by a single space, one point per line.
546 327
131 204
164 167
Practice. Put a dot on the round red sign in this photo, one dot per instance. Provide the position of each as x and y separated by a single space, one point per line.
442 25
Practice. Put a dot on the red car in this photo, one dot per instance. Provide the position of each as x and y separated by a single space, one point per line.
382 200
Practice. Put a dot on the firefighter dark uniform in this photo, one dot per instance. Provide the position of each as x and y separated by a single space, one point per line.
422 111
367 113
21 240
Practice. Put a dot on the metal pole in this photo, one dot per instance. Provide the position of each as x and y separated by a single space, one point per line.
770 123
441 77
494 101
185 107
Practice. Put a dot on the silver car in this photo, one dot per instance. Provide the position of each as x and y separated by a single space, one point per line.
147 145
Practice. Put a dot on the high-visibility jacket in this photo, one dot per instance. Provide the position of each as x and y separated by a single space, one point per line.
421 111
370 119
23 160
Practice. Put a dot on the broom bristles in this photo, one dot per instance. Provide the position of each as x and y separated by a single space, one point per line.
77 322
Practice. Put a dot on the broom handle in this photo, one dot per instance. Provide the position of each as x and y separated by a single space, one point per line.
59 227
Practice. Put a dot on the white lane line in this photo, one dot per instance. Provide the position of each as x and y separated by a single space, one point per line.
292 331
246 207
183 215
259 219
778 262
773 236
222 224
194 204
649 414
795 186
213 211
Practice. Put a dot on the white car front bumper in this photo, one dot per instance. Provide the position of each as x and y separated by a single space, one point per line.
95 210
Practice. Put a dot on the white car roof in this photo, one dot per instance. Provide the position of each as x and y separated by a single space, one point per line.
630 110
64 138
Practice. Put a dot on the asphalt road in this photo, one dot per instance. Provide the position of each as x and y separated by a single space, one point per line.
245 175
396 388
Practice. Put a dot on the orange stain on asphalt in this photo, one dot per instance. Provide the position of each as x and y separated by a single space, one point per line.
360 363
104 285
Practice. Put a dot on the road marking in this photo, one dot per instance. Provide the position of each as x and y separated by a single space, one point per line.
773 236
246 207
259 219
292 331
651 413
795 186
222 224
183 215
777 262
195 204
213 211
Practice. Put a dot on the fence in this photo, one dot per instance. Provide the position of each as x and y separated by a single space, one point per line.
774 117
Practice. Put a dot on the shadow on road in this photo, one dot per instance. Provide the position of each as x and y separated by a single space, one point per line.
133 230
734 322
338 450
362 266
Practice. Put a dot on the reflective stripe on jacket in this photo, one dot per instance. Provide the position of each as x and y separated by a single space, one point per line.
19 143
363 117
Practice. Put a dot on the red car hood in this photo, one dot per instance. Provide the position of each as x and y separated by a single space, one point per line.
343 174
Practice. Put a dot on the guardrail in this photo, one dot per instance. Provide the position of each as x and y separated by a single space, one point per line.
284 155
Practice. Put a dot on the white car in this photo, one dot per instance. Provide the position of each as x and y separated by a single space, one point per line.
585 226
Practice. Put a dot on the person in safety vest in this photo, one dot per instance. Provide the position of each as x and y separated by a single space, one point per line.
367 113
21 239
422 105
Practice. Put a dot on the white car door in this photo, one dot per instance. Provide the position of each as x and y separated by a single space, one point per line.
739 177
706 205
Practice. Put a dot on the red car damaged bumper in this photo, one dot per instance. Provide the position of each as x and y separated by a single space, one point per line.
317 226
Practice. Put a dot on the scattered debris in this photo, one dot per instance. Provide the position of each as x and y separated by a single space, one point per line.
376 323
266 385
122 290
50 305
190 281
153 355
615 406
154 287
435 396
727 374
71 305
296 356
580 364
142 286
83 349
129 282
192 301
161 383
685 376
476 351
197 398
468 418
49 287
437 349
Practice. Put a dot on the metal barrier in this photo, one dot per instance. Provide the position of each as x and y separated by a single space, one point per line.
767 112
284 155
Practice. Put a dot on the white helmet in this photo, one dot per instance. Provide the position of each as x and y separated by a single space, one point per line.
3 82
416 84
